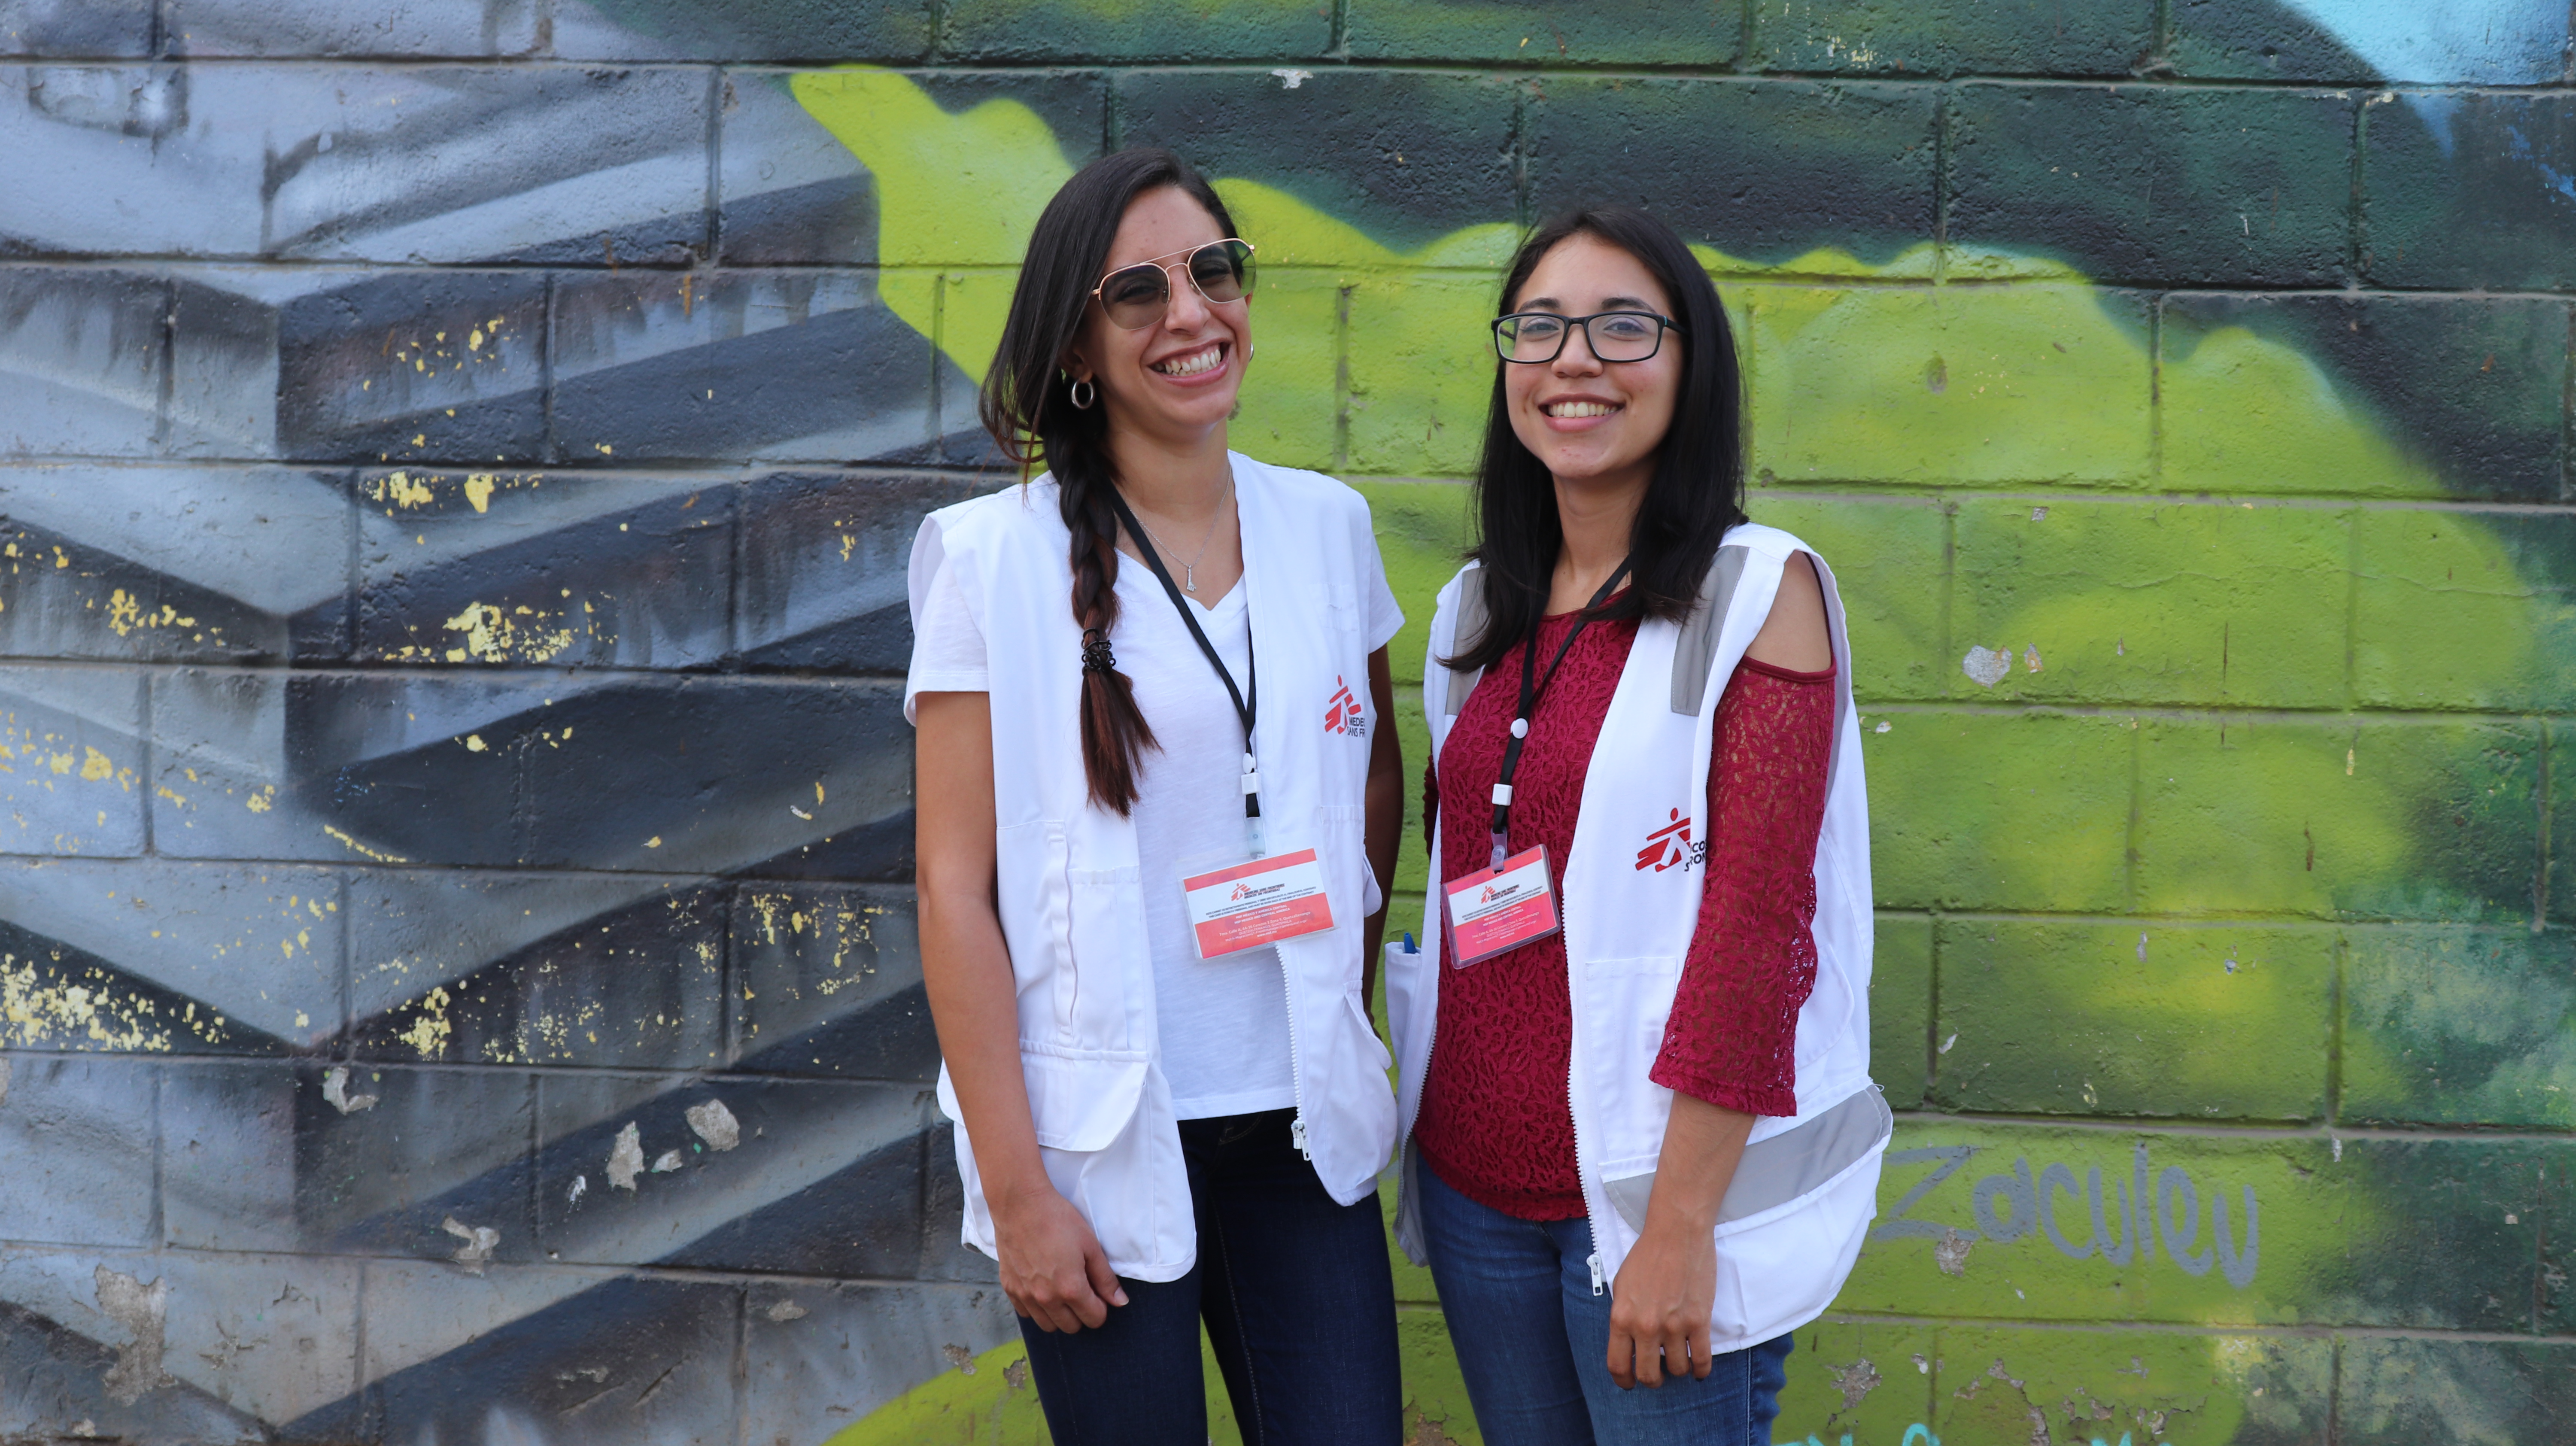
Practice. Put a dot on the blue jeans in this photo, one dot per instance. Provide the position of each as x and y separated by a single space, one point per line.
1534 1342
1299 1302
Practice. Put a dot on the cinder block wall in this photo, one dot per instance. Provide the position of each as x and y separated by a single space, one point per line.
457 974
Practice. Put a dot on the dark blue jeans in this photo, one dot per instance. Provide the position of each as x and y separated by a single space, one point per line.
1533 1341
1299 1302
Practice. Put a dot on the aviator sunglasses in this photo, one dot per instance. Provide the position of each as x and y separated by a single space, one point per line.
1137 296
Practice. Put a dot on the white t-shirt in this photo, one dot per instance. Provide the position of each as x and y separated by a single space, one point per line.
1223 1022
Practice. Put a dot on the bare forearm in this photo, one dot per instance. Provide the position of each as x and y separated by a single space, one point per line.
1384 816
966 971
1703 1143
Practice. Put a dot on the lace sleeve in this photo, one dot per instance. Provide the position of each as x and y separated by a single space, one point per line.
1732 1037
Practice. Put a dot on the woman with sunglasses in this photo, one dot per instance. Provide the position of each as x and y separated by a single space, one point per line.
1158 805
1642 1142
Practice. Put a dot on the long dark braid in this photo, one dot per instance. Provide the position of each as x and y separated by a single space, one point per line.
1114 731
1027 404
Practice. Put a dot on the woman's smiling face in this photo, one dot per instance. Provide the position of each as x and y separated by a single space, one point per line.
1177 377
1587 420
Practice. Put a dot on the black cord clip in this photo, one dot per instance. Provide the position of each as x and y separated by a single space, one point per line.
1096 657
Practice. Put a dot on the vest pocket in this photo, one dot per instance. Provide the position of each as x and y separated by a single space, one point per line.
1033 898
1370 1046
1341 836
1080 1103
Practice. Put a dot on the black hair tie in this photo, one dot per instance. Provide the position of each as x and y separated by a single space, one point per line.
1096 657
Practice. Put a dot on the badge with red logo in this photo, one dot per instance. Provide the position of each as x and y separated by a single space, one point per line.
1670 845
1247 905
1342 712
1494 911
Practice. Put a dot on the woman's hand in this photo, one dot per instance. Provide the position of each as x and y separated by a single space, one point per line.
1661 1302
1659 1306
1053 1268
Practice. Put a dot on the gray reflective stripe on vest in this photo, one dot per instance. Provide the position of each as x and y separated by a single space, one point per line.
1471 625
1696 652
1778 1170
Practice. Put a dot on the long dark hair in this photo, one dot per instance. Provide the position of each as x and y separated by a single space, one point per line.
1698 488
1027 405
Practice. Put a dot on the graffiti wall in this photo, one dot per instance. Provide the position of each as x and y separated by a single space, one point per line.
457 972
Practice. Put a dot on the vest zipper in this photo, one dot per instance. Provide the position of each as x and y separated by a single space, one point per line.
1573 1054
1296 1065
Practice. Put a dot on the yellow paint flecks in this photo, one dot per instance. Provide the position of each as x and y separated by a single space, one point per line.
474 743
478 490
654 842
403 490
125 614
42 1002
495 635
96 766
378 855
264 800
430 1031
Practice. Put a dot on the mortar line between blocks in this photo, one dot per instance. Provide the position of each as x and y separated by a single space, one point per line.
1932 1008
2335 995
739 1378
2357 198
2099 1326
719 85
2156 389
358 1337
346 1047
2137 810
2352 607
2543 850
160 1165
2334 1390
2567 415
146 782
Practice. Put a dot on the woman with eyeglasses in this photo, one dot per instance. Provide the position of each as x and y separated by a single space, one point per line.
1158 800
1642 1142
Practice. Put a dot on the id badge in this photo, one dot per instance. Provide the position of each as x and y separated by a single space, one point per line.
1246 905
1494 911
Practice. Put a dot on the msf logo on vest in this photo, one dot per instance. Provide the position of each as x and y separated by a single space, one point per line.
1342 713
1670 846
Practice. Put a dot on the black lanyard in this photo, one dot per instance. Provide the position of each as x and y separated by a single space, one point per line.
1245 707
1531 687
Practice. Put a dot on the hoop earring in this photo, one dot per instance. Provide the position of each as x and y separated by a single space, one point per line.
1084 394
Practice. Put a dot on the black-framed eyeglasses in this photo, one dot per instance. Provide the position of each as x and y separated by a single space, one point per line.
1137 296
1533 337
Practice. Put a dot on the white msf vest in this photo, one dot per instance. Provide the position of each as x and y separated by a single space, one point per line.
1792 1222
1070 892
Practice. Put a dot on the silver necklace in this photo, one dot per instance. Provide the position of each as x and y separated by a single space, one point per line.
1189 569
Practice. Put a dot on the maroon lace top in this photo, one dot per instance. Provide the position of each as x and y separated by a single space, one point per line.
1496 1122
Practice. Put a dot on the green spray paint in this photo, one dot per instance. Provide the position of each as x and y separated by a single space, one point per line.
2009 466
